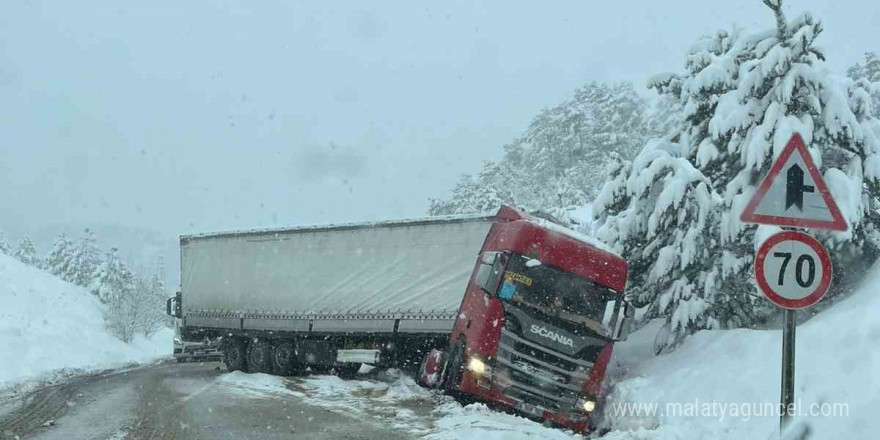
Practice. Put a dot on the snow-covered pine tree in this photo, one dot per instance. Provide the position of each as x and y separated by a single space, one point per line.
111 278
742 96
27 253
86 257
783 87
4 245
58 261
150 296
115 285
470 196
558 163
666 233
869 72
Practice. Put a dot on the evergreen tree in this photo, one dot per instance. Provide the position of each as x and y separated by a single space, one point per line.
116 286
870 70
27 253
58 261
869 76
149 296
558 163
111 278
471 195
4 245
675 216
86 257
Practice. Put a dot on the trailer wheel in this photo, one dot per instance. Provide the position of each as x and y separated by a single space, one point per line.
259 356
454 368
234 355
347 370
284 358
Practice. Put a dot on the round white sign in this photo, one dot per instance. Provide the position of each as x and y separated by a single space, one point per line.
793 270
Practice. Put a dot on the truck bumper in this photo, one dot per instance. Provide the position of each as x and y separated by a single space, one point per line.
487 390
200 351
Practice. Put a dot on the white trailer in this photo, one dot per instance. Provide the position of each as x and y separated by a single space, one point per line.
344 292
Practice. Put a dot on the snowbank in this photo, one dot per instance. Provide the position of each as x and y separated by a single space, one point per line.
256 385
396 400
47 325
477 422
393 400
838 362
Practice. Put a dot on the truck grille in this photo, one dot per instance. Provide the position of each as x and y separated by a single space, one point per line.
537 375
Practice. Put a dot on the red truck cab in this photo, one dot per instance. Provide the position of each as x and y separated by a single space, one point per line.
537 324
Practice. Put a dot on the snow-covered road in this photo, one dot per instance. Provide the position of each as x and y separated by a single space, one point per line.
203 401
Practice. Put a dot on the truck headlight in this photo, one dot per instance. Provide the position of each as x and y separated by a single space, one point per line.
177 341
586 405
476 365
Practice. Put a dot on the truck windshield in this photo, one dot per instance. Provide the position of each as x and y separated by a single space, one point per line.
567 296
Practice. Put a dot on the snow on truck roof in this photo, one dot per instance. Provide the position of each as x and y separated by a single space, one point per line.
555 227
342 226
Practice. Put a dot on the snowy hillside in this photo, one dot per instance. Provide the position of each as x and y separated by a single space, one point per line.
837 361
47 325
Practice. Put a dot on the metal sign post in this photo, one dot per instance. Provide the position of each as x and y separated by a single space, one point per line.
792 268
787 392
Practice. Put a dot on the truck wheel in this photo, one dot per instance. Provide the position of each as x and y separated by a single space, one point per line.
234 355
284 358
259 356
454 369
347 370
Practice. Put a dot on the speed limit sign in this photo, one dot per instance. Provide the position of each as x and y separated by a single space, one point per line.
793 270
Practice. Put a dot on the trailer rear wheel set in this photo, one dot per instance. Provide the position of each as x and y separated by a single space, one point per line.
281 357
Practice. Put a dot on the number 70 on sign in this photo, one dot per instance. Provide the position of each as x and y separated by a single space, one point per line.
793 269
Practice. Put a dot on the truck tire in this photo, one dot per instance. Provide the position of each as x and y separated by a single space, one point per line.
235 355
259 356
454 369
347 370
284 361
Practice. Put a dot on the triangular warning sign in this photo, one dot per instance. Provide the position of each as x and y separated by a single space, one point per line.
794 194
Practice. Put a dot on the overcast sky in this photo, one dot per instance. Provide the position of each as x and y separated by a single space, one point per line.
191 116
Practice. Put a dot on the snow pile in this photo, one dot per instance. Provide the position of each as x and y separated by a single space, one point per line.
48 325
837 362
395 401
478 422
406 388
256 385
334 391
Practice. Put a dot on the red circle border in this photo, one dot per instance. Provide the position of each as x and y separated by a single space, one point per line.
810 241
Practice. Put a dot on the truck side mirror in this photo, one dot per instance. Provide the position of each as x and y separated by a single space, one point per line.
624 321
178 305
491 271
168 306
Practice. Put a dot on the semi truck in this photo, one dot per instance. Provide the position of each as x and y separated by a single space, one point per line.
511 309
